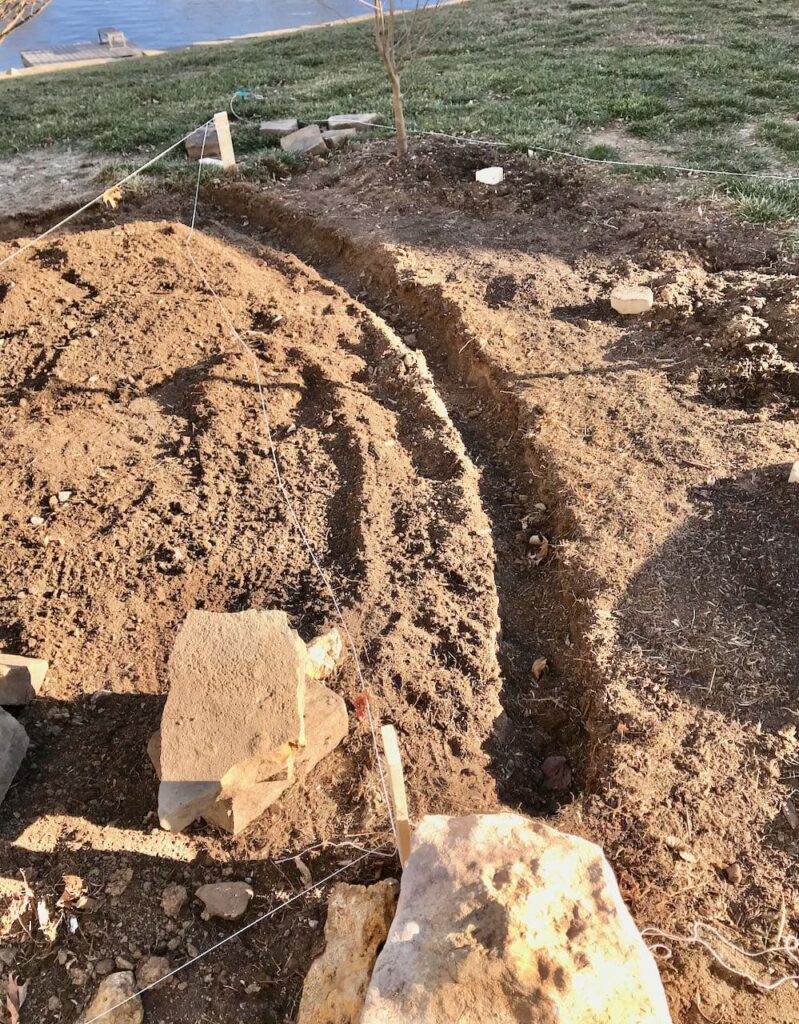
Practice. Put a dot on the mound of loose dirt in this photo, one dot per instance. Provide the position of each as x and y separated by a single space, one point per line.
668 608
122 386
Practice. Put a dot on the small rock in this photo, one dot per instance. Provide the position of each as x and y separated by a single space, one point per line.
733 873
104 967
64 496
631 299
557 773
119 881
54 1004
152 970
36 521
7 956
490 176
115 989
793 476
228 900
173 899
123 964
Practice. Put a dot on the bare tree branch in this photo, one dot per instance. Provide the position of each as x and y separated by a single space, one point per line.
399 35
15 13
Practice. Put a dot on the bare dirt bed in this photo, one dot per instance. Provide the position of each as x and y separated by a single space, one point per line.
650 453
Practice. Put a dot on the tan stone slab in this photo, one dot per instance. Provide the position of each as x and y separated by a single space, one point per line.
236 699
307 140
20 678
13 747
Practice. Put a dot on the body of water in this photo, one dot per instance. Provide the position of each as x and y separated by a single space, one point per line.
159 24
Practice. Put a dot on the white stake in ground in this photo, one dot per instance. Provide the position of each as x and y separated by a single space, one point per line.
396 785
222 126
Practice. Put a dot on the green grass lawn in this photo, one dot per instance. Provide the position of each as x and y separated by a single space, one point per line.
714 83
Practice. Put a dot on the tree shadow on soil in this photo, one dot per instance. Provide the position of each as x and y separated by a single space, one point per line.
718 606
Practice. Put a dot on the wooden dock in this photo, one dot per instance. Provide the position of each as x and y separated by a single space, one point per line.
111 45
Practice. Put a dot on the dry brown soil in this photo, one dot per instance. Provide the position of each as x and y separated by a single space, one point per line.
447 382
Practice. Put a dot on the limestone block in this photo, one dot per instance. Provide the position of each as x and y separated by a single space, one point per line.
306 140
277 129
20 678
361 122
631 299
506 920
13 745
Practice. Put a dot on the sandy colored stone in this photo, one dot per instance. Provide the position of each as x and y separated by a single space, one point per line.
112 990
358 920
235 714
793 475
324 654
326 725
20 678
13 746
506 920
306 140
228 900
173 899
631 299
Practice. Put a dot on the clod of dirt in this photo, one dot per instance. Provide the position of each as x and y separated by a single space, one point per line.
152 970
228 900
556 772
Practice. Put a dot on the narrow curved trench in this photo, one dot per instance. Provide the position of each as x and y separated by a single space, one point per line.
540 611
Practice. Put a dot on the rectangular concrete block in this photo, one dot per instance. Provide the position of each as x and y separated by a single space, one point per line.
277 129
360 122
20 678
337 137
307 140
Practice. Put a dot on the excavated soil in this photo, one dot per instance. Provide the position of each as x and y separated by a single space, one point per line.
525 475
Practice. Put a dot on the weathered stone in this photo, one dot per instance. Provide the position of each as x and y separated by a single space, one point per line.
793 476
235 714
115 989
173 899
490 175
504 919
335 138
326 725
277 129
13 745
306 140
152 970
324 655
358 121
228 900
20 678
631 299
358 919
194 143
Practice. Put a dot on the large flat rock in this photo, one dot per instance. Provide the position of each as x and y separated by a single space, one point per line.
236 695
13 745
503 919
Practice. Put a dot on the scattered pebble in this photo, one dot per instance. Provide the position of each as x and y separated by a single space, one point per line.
152 970
36 521
228 900
173 899
733 873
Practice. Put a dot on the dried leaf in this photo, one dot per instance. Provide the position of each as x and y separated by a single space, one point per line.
74 892
15 998
540 665
305 874
112 197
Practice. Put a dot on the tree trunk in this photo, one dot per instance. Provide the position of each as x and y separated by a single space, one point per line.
399 114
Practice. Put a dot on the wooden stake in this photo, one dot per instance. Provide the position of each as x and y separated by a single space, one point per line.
396 785
222 126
